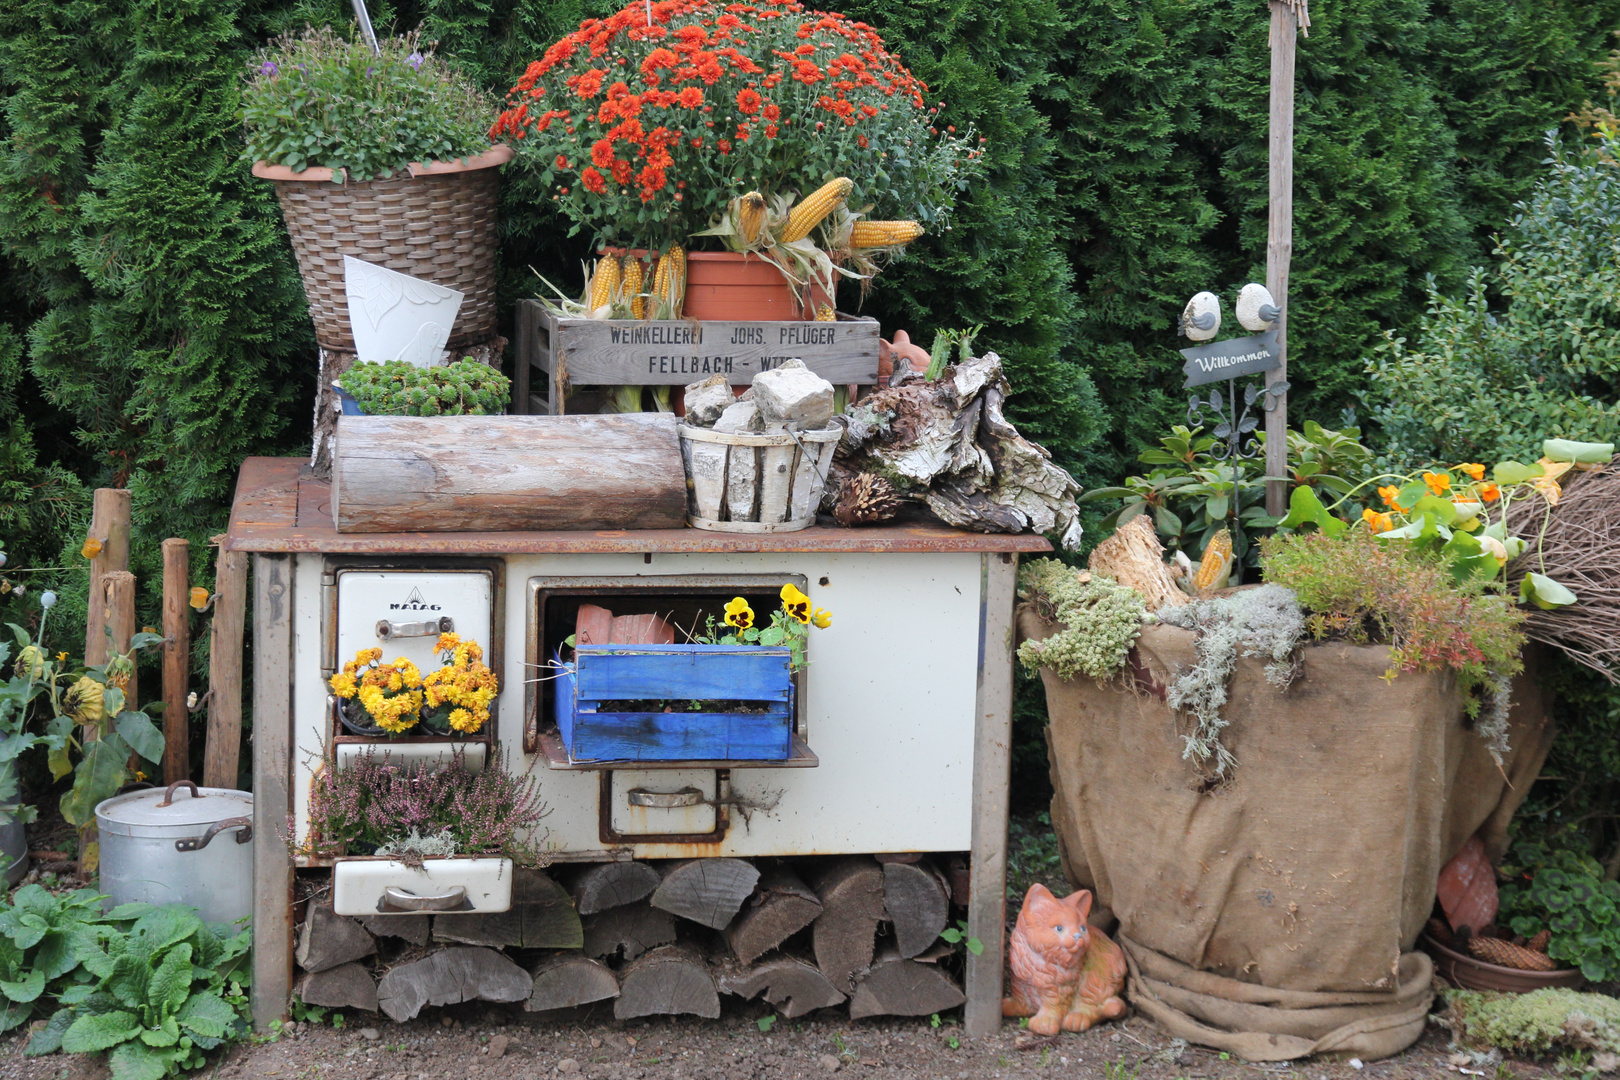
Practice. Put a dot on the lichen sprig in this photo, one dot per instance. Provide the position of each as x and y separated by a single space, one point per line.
1100 621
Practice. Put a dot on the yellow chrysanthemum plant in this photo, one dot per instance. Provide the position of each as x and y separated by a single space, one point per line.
457 695
790 624
379 698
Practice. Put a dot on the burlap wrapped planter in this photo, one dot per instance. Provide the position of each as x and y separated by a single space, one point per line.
1274 916
435 221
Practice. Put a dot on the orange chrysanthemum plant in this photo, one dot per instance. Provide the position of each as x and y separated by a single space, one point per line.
649 125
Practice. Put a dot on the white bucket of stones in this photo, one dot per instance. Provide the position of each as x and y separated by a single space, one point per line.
755 483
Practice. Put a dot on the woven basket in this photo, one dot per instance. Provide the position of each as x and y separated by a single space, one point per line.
437 222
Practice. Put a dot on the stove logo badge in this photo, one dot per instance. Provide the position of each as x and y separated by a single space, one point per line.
414 602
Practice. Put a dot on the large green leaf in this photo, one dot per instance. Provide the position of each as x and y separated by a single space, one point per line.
24 990
207 1014
1544 592
1508 473
98 777
133 1061
55 956
171 982
143 736
48 1039
130 978
88 1034
15 1014
166 1033
161 927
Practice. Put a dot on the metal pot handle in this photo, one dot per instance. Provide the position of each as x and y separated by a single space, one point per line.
197 843
168 796
395 899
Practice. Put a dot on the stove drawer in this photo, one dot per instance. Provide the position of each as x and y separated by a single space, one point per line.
661 802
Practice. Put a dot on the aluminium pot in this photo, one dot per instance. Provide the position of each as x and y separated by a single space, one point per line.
163 847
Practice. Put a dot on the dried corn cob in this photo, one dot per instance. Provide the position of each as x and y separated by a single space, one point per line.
808 212
880 234
1507 954
750 218
825 313
669 284
604 282
1216 564
630 286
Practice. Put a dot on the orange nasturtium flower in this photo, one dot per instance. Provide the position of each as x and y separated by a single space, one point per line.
1439 482
1490 493
1388 494
1473 469
1377 522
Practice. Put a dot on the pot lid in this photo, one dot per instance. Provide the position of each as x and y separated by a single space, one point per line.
188 804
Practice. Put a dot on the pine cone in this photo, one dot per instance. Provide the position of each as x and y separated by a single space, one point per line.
865 499
1507 954
1539 942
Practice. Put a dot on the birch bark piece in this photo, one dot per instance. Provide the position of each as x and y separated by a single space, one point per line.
775 482
742 483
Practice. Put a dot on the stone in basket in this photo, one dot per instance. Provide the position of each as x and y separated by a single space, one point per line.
758 463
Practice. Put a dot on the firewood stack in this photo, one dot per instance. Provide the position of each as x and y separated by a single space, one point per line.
660 938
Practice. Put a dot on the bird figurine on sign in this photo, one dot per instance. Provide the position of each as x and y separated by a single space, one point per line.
1201 321
1256 310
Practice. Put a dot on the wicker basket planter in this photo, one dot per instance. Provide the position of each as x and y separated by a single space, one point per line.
746 483
436 221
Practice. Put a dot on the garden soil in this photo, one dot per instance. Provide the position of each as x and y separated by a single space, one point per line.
1275 913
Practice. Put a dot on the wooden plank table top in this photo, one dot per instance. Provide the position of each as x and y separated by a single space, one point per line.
279 508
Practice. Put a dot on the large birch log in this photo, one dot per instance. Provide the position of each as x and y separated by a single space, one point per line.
507 473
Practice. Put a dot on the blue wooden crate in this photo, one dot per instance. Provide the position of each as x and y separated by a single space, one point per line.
601 675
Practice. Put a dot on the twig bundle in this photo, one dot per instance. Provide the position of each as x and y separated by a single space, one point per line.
1575 540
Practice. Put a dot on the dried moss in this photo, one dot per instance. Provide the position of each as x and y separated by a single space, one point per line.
1100 620
1537 1022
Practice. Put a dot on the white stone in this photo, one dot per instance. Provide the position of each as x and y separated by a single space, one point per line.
1201 307
706 400
1250 301
741 417
794 395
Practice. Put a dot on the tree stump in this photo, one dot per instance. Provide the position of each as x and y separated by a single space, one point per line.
915 899
610 885
793 986
449 977
845 934
707 891
329 939
665 982
347 986
896 986
784 906
542 917
564 980
630 928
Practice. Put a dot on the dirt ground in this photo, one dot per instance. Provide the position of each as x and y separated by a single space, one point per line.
478 1041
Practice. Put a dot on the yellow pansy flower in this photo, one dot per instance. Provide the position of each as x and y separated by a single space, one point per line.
739 614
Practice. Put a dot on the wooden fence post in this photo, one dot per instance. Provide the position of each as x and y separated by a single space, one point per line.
1280 239
176 660
222 756
117 593
109 527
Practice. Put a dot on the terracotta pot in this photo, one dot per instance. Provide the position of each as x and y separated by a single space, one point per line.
435 221
736 286
1470 973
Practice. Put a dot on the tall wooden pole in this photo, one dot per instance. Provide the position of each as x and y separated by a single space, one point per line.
176 660
109 527
221 758
1280 240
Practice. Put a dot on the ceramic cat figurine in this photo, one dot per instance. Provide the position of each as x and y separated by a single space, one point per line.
1065 975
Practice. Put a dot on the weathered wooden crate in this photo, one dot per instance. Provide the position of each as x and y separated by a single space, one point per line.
601 675
554 354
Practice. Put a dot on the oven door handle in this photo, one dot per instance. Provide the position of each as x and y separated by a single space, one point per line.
387 629
664 800
397 899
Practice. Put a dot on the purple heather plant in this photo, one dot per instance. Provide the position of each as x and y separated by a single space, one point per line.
374 800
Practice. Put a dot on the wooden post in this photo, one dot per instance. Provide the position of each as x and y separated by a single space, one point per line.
176 659
1280 241
117 596
109 526
992 781
222 755
272 786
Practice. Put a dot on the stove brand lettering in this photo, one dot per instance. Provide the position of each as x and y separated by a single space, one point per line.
414 602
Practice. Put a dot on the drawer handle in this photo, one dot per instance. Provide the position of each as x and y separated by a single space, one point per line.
387 629
397 899
664 800
197 843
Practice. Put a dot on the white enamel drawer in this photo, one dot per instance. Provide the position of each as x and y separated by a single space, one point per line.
389 887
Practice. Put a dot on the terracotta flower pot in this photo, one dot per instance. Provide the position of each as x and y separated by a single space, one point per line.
436 222
1471 973
729 285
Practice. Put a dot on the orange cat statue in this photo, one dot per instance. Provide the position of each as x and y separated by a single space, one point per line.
1065 975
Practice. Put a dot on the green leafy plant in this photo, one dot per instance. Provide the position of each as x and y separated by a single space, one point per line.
765 1023
396 388
38 930
958 936
317 99
151 991
790 625
1565 893
1100 620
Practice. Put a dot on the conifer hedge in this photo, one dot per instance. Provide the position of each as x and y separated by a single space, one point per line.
152 328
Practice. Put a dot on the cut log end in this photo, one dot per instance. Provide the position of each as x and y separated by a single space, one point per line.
449 977
898 987
707 891
783 906
611 885
347 986
631 929
845 934
564 980
667 981
917 904
793 986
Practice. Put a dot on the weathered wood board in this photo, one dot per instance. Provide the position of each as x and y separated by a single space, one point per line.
559 353
507 473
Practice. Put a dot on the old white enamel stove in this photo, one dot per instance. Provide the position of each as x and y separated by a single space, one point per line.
900 725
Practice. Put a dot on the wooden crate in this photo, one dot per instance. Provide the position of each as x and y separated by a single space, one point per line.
554 354
601 675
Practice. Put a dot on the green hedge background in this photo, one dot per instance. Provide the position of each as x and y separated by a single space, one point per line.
153 331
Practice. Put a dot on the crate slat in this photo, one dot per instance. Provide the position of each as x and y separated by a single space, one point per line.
682 672
665 736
